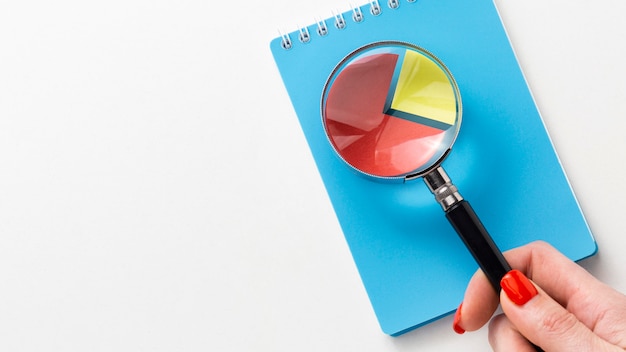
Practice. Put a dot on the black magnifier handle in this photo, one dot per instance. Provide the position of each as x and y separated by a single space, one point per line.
468 227
477 240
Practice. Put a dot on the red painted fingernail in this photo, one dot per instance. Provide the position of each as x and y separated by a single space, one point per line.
457 317
517 287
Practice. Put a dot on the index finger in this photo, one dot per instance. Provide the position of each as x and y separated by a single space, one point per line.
560 277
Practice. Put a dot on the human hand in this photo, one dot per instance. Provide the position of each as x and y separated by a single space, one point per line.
563 308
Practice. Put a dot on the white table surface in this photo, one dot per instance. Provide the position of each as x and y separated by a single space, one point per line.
157 194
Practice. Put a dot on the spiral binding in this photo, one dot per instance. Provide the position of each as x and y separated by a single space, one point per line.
357 15
322 30
340 22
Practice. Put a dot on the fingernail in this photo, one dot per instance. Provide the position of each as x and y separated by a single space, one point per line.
457 318
517 287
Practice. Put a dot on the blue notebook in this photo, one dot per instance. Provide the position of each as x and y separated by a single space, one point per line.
412 264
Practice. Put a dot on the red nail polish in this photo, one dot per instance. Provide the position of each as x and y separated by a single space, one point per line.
517 287
457 317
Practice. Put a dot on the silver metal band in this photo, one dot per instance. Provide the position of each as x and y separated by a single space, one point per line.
441 186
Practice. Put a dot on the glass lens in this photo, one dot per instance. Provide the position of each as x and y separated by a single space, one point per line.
391 110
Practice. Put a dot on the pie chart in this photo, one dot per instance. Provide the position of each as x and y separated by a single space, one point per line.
391 111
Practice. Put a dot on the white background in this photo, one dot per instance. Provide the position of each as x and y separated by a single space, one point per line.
157 194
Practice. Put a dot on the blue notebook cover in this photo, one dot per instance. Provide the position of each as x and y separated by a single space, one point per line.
411 262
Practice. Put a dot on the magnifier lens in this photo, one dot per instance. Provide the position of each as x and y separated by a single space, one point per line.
391 110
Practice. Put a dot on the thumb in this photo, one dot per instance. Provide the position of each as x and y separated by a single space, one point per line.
542 320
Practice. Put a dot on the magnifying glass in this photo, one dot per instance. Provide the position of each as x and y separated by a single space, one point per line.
392 111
